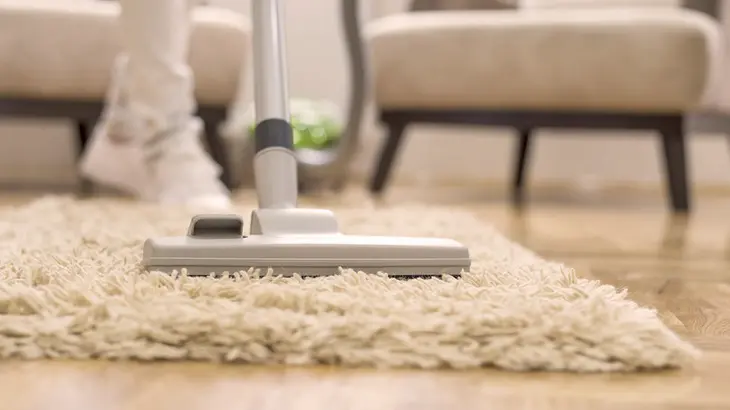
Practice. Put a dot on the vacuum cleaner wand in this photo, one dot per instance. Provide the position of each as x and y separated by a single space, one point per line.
283 237
275 164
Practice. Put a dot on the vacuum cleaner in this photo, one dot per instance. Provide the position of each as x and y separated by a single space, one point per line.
282 238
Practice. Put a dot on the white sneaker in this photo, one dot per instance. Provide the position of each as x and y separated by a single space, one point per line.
165 164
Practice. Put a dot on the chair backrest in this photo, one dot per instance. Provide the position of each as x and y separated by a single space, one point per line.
461 4
419 5
709 7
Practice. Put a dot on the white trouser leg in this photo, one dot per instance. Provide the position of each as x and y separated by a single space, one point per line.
148 142
159 82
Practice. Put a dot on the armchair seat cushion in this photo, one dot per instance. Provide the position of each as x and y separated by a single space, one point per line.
652 59
64 50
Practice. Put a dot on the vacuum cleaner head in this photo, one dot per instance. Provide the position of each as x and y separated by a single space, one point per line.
216 244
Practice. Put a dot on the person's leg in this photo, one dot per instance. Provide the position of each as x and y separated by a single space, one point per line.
148 141
156 37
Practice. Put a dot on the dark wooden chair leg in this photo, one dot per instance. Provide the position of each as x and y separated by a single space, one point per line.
217 148
523 156
675 166
388 152
83 135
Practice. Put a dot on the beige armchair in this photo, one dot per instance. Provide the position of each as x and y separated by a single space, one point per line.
56 56
616 68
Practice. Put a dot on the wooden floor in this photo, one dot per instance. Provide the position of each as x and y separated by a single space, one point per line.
679 265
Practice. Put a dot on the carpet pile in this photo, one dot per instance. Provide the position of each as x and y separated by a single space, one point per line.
71 287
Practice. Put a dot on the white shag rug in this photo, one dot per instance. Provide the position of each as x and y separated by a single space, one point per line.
71 288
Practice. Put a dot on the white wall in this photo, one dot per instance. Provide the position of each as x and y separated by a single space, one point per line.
41 153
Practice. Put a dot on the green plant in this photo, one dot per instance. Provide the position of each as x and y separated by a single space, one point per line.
312 132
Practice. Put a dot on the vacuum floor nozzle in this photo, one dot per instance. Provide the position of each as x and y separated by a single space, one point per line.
216 244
